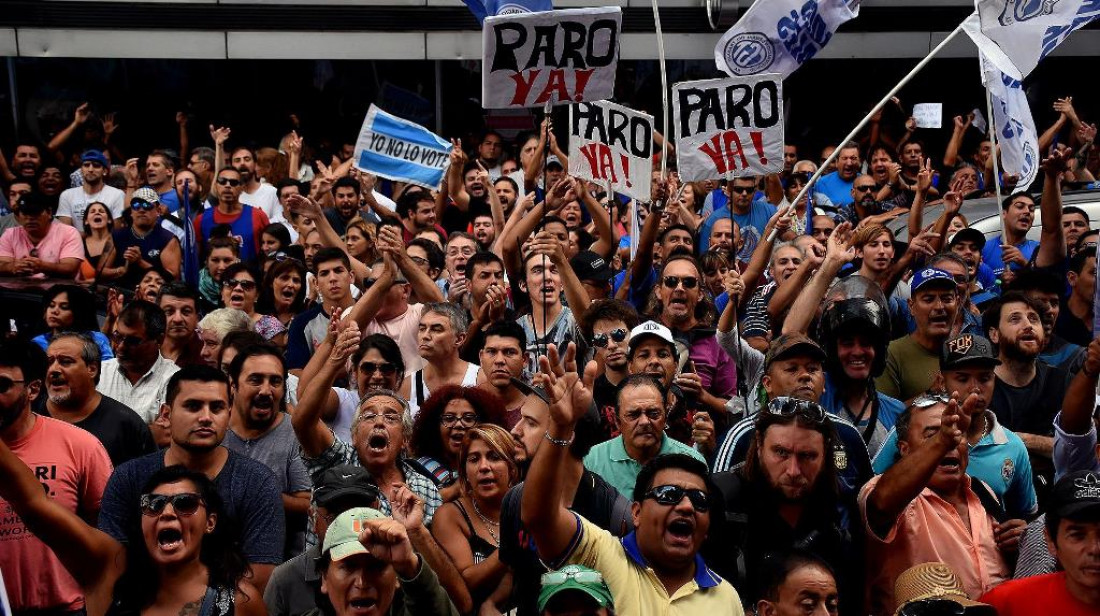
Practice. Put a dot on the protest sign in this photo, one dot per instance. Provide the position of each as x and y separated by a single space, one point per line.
979 121
728 127
401 150
554 57
609 142
928 115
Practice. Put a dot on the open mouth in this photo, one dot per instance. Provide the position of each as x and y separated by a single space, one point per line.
487 482
950 464
681 530
377 442
169 538
364 603
236 298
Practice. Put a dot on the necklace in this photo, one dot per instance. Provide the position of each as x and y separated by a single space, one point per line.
489 524
985 430
140 236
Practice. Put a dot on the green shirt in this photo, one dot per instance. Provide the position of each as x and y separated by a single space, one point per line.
910 370
610 461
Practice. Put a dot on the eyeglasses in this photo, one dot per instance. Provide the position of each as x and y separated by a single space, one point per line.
742 190
690 282
785 406
386 368
672 495
228 182
454 252
121 340
601 340
186 503
6 384
141 205
449 420
245 285
419 260
553 578
388 418
926 400
933 607
867 188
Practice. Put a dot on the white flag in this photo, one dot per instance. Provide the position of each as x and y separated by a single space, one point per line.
1015 34
1014 126
777 36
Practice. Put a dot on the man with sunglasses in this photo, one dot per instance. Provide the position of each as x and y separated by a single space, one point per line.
924 509
657 568
73 468
736 200
247 223
138 374
39 247
607 324
863 205
145 245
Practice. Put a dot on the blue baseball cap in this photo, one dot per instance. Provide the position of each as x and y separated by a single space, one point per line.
95 156
931 275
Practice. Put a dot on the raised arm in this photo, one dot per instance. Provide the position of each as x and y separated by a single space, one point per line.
902 483
219 137
91 556
958 133
294 155
773 189
519 210
80 116
643 259
533 169
1052 243
780 221
916 210
315 393
304 206
389 242
456 188
551 524
608 236
185 139
838 252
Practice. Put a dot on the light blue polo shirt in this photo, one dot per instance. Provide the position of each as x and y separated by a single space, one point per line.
610 461
999 459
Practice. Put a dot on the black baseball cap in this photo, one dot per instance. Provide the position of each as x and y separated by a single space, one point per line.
33 204
1076 495
591 267
346 484
968 350
792 345
968 235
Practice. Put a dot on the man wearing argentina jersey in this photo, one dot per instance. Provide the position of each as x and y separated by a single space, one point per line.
793 367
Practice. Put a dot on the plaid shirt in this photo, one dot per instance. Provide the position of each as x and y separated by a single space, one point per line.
342 452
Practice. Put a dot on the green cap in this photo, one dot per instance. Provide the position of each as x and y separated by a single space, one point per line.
342 537
575 577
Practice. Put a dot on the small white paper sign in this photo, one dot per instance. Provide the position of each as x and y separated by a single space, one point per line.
979 121
928 115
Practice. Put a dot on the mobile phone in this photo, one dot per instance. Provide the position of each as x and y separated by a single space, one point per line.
689 367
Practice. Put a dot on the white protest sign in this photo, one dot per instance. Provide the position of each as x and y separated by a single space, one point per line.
979 121
612 143
928 115
400 150
728 127
555 57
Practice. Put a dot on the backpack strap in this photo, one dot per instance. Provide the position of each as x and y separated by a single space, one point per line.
989 500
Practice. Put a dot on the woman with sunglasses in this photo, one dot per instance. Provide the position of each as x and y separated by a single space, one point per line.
283 295
180 556
442 424
68 307
468 528
240 291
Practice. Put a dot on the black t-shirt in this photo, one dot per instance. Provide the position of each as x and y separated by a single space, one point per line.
1031 408
603 394
1071 328
596 500
123 433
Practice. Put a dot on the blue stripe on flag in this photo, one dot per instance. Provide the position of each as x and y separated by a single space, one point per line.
406 131
400 170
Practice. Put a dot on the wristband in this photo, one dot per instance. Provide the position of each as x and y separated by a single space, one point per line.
560 442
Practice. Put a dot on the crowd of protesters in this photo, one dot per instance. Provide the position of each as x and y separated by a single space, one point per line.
267 381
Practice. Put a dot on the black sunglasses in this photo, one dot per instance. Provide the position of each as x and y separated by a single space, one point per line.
785 406
229 182
933 607
386 368
741 190
6 384
186 503
672 495
245 285
690 282
868 188
601 340
140 204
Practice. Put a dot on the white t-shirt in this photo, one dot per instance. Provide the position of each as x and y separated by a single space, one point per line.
266 198
74 202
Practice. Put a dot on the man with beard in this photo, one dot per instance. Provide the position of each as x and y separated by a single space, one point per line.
912 361
247 223
864 204
39 247
502 357
467 192
837 186
607 325
259 195
196 411
416 208
345 204
260 429
72 367
484 231
138 374
73 202
507 192
926 509
73 468
160 172
785 496
642 405
657 567
181 312
1029 393
145 245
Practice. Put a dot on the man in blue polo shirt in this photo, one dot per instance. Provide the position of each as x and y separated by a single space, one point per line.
837 186
1018 212
997 455
751 216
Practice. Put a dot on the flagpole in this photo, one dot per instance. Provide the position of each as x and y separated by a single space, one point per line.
867 118
991 127
664 88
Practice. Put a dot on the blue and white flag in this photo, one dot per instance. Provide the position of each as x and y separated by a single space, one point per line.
1015 34
401 150
487 8
777 36
1014 126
